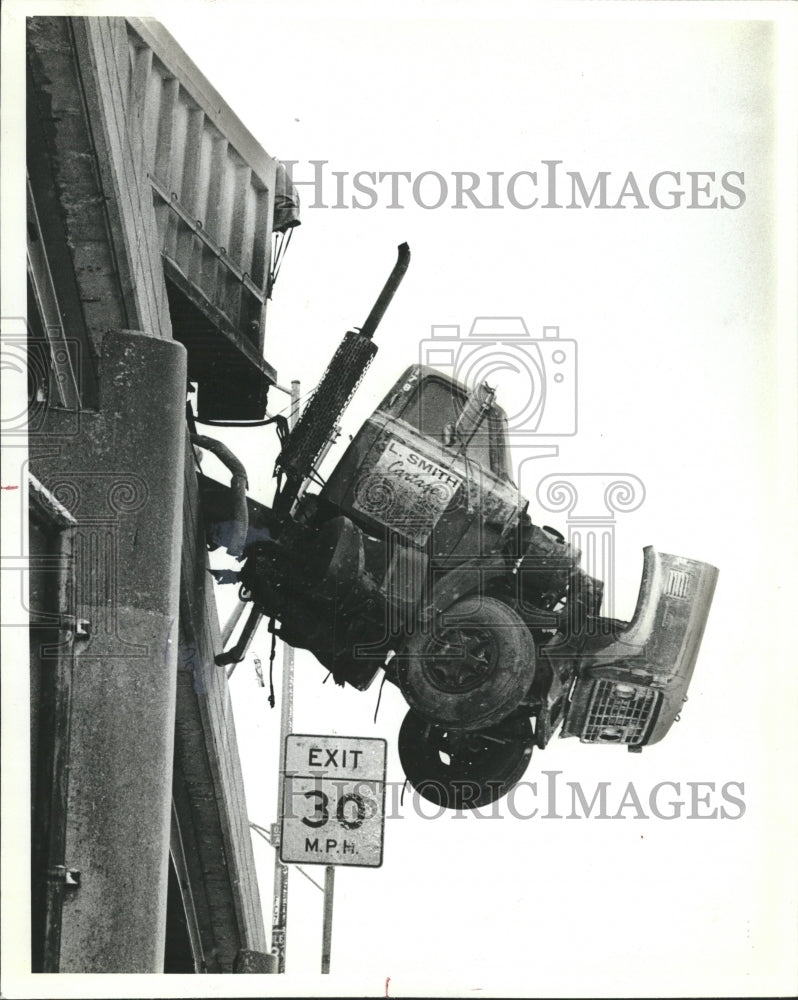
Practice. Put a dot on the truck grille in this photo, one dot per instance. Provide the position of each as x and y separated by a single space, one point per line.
619 712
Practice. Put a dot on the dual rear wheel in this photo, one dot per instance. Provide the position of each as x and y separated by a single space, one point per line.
465 741
459 769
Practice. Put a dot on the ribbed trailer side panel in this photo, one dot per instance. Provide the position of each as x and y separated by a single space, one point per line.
213 196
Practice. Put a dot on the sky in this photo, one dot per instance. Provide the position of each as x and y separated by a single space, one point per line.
682 322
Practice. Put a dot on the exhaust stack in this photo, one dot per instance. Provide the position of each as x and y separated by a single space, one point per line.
306 443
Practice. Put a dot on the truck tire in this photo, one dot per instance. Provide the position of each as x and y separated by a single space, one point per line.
464 770
472 669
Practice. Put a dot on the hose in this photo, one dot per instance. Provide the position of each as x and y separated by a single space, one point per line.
238 487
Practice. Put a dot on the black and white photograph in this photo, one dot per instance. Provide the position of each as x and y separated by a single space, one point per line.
398 499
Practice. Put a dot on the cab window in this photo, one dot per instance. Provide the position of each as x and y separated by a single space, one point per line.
433 410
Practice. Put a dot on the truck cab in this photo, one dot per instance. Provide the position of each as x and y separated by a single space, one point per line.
423 487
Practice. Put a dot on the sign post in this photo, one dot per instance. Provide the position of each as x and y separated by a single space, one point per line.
280 891
326 933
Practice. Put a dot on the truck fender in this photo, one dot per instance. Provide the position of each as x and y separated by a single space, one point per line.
631 689
469 578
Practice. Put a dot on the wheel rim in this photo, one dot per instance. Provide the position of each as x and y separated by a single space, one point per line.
463 659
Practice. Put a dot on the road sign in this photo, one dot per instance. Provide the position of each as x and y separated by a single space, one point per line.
333 801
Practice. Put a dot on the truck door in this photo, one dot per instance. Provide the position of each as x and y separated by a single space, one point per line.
405 474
